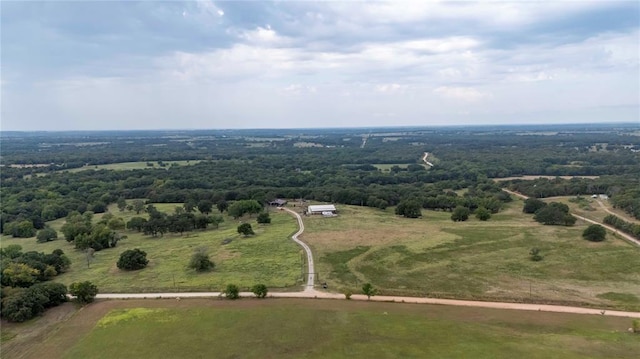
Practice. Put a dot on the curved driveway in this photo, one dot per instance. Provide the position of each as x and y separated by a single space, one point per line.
311 272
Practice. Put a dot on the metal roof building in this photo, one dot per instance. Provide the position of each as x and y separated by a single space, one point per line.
319 209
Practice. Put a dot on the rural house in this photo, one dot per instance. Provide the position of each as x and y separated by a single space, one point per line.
279 202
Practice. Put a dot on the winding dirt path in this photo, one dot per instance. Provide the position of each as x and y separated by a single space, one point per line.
311 272
610 228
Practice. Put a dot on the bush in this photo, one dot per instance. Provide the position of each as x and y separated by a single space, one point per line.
200 261
409 209
347 294
84 292
133 259
535 255
245 229
260 290
263 218
594 233
47 234
232 291
483 214
460 214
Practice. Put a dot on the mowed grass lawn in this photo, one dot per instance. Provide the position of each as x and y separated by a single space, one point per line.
283 328
269 257
433 256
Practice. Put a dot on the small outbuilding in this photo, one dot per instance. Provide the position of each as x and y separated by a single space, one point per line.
324 209
279 202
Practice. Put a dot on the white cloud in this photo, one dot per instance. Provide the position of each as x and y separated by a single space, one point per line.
488 13
391 88
263 36
467 94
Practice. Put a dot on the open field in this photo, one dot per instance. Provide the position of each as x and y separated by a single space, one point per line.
434 256
386 167
291 328
269 257
124 166
532 177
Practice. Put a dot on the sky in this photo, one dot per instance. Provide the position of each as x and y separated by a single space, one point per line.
117 65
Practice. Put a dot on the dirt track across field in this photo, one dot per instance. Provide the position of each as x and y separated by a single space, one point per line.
612 229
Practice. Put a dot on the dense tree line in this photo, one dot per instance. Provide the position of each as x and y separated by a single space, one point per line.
619 223
25 292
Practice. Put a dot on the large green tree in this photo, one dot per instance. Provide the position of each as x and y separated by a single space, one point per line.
47 234
594 233
84 292
133 259
460 214
409 209
245 229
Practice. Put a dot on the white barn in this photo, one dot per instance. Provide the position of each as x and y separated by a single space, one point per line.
323 209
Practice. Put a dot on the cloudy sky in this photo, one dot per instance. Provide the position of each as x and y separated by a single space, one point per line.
254 64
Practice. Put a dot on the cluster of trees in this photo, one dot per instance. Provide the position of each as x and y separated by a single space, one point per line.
23 269
619 223
628 199
183 220
80 229
25 291
554 213
239 208
20 229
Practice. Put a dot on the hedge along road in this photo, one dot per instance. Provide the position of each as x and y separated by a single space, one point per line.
310 292
612 229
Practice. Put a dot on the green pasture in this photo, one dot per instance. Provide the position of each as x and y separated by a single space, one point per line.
269 257
342 329
433 256
127 166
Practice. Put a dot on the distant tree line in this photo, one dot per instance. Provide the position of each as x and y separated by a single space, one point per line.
231 170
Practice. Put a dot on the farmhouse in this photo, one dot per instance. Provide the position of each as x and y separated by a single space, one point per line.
279 202
324 209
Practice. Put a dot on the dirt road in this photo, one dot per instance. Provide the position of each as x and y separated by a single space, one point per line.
311 272
610 228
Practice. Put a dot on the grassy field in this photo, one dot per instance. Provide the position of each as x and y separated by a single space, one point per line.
269 257
279 328
124 166
434 256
